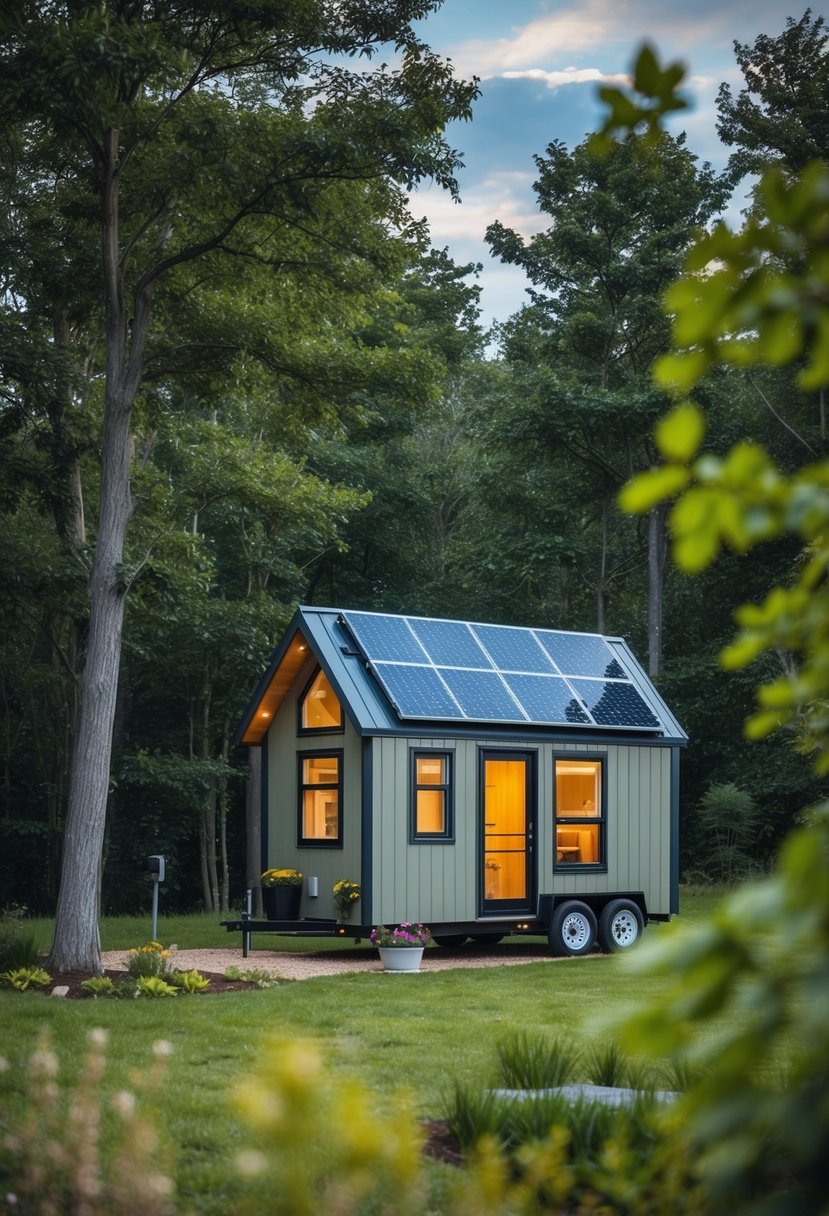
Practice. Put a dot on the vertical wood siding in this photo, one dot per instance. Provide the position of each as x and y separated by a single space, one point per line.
439 882
327 864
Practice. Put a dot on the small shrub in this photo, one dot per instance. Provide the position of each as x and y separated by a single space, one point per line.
127 988
189 981
99 985
151 959
532 1061
22 978
260 979
155 986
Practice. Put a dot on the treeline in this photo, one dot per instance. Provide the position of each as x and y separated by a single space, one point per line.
318 422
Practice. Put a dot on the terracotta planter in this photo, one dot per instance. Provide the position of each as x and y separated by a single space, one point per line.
281 903
401 958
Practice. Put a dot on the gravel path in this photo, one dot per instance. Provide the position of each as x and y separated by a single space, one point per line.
299 965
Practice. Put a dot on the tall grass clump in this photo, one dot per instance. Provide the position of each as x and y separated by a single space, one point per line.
18 944
532 1061
54 1158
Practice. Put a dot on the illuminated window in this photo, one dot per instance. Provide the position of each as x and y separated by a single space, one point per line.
320 708
431 796
579 812
320 798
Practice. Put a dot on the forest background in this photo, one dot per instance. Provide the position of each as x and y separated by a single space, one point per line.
383 453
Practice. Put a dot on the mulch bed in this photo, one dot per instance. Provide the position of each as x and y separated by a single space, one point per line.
73 980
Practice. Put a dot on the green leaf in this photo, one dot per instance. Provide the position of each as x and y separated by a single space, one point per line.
654 486
679 435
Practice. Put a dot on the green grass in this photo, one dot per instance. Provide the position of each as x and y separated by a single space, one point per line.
422 1033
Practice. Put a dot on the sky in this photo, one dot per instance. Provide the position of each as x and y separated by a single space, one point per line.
540 63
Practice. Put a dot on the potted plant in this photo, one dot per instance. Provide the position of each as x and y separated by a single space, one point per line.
346 894
401 948
281 893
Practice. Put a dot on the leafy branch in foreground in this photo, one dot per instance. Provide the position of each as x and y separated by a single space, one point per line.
757 296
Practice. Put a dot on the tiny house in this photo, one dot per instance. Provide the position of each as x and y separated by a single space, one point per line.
483 779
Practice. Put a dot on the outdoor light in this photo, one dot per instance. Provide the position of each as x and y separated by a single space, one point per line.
156 867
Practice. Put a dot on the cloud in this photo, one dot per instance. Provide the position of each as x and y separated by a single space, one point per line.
554 80
504 196
565 33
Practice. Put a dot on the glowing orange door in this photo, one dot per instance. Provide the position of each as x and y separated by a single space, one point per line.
507 832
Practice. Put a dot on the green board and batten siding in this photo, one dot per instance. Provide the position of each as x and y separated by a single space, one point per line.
326 864
439 882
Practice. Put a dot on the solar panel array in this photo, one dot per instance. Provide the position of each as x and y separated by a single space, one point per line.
442 670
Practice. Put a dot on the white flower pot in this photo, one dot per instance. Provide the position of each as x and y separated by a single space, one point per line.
401 958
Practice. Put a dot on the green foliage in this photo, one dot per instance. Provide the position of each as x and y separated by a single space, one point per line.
606 1065
22 978
18 943
728 818
534 1061
765 956
251 975
98 986
155 986
189 981
654 97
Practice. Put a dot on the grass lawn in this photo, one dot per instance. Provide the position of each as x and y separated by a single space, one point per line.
420 1032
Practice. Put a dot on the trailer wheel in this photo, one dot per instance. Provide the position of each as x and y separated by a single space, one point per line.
450 939
621 925
487 939
572 929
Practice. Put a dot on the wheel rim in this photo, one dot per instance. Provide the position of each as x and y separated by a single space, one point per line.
575 931
624 928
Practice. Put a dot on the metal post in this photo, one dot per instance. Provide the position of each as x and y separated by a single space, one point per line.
246 916
155 909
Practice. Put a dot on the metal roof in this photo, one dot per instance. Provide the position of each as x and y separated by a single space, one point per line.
353 648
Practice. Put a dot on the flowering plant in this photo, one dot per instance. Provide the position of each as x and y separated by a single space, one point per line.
406 934
346 893
281 878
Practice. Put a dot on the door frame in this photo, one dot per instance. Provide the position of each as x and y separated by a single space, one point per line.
509 907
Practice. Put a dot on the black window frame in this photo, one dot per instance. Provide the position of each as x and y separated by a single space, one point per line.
599 819
447 836
319 842
318 730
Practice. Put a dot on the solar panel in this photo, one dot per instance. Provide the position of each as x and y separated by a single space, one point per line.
615 703
482 695
580 654
548 699
386 637
463 671
450 644
417 691
513 649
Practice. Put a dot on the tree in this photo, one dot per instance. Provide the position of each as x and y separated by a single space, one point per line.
788 123
171 149
620 223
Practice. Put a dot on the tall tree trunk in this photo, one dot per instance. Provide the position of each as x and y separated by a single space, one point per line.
76 944
657 551
224 890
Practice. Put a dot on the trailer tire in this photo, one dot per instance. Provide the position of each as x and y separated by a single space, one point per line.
487 939
572 929
621 925
448 940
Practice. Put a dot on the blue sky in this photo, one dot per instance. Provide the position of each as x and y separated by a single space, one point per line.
540 63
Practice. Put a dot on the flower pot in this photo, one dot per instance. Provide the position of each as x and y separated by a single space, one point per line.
281 903
401 958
